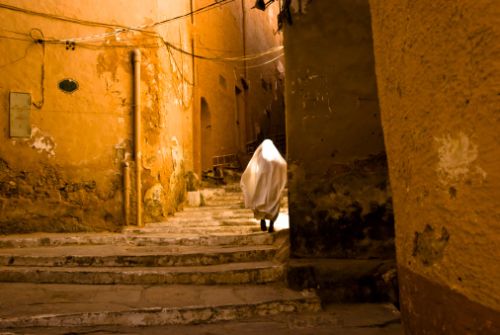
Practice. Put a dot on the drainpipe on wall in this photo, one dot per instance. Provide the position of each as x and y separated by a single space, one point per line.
136 57
247 116
126 193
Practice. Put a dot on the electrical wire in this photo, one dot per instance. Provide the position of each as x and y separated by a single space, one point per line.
216 4
18 59
86 41
223 59
15 38
118 28
265 63
177 66
180 96
40 103
61 17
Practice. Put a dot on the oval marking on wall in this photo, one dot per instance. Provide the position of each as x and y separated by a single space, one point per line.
68 85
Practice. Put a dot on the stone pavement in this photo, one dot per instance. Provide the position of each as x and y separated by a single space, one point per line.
206 270
203 265
344 319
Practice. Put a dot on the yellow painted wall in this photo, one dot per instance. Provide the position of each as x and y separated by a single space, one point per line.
227 121
68 174
438 74
266 110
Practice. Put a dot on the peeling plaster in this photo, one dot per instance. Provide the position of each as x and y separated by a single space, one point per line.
42 142
153 200
456 158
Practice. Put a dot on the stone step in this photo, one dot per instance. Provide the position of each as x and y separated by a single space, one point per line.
224 196
232 273
128 256
203 214
60 239
200 229
218 207
186 222
206 240
226 203
43 305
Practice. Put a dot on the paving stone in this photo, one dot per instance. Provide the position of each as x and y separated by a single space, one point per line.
202 265
31 305
199 230
231 273
128 256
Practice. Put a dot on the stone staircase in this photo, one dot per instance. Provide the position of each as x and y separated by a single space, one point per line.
205 264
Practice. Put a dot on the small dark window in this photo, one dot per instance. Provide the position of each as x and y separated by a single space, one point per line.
68 85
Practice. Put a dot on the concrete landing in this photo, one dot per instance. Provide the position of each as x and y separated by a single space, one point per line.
204 265
344 319
34 305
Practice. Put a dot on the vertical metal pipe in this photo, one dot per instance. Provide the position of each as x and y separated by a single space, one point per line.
137 134
247 114
195 105
126 193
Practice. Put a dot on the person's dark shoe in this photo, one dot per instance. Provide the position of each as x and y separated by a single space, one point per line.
263 225
271 227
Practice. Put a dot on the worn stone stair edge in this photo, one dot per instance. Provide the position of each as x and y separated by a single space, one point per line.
131 260
135 239
167 315
203 222
149 276
202 230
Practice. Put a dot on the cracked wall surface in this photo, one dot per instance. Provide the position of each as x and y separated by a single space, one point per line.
438 73
339 197
67 176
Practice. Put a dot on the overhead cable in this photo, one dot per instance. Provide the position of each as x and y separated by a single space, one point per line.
118 28
223 59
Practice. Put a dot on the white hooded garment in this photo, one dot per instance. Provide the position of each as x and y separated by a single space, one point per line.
263 181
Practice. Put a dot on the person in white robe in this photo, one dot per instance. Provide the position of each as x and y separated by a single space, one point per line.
263 182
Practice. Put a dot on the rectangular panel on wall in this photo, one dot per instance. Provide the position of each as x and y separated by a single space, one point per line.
20 106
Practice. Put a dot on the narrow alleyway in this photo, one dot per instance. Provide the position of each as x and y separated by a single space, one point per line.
203 265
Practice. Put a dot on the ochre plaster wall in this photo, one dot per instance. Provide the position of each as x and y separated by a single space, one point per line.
217 33
227 120
339 198
438 72
68 175
265 76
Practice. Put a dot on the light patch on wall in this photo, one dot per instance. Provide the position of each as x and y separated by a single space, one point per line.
456 157
122 151
153 200
176 154
42 143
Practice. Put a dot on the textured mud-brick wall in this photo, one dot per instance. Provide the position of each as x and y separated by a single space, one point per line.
438 77
167 121
67 175
339 197
229 111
